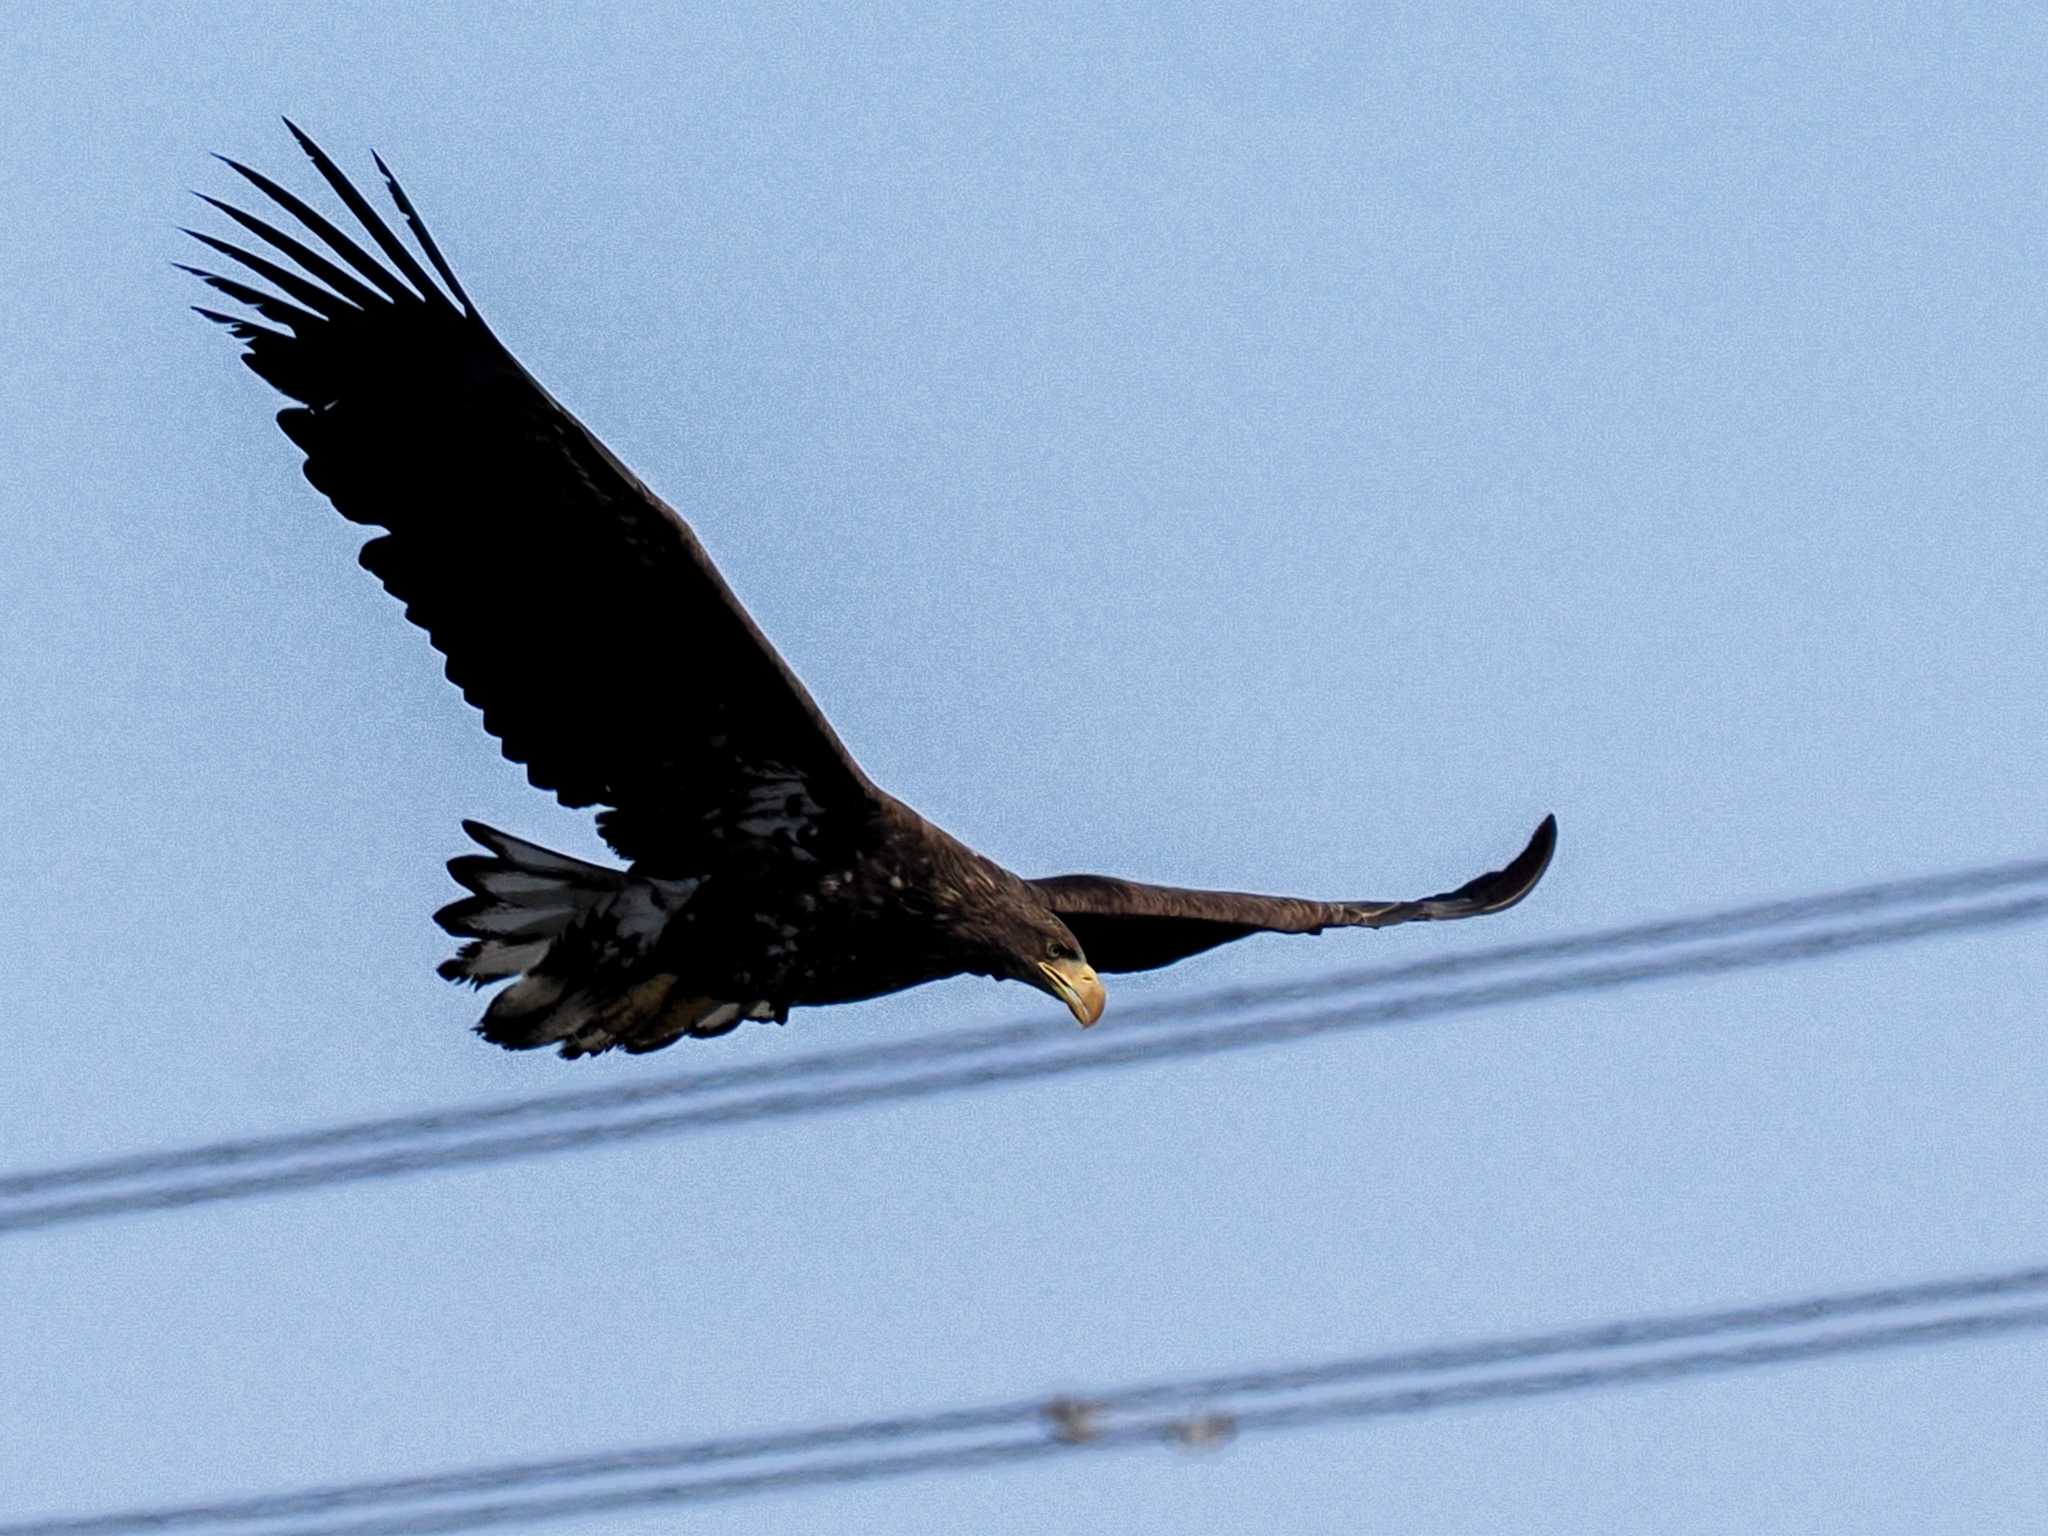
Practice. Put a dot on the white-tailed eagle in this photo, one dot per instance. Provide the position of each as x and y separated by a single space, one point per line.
766 871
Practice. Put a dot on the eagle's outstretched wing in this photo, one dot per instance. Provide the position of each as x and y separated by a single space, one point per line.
576 610
1127 926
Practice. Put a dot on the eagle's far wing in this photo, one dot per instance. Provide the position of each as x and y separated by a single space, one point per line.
576 609
1124 925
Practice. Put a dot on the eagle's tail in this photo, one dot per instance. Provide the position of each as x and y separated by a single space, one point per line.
580 938
524 898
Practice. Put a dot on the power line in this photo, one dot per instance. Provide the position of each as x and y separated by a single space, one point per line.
1288 1417
1237 1402
1726 922
1045 1063
1632 1333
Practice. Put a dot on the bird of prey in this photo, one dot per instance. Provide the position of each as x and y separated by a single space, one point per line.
581 615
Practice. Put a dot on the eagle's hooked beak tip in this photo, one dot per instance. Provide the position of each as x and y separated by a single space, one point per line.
1076 985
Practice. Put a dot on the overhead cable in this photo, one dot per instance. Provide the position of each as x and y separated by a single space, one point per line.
163 1182
1725 922
1206 1409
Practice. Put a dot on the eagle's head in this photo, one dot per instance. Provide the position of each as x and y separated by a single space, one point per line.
1060 968
1022 939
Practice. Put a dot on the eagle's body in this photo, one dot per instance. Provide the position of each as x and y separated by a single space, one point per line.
755 935
582 616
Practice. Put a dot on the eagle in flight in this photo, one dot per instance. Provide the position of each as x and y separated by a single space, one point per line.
766 870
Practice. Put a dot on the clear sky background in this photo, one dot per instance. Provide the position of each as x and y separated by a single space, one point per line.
1290 449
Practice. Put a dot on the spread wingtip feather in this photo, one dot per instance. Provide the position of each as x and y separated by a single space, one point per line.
367 216
418 227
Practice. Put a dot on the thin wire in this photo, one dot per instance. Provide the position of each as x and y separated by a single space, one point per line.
866 1059
1047 1064
1671 1367
1663 933
1355 1408
1440 1359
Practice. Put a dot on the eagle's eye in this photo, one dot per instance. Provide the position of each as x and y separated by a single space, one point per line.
1060 949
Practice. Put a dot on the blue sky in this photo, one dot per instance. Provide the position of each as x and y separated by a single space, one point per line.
1289 450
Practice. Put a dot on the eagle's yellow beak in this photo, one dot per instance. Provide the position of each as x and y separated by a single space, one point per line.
1077 986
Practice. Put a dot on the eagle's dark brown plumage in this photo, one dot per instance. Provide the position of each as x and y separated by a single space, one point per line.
767 871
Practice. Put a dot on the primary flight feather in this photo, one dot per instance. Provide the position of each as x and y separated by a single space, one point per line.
579 613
